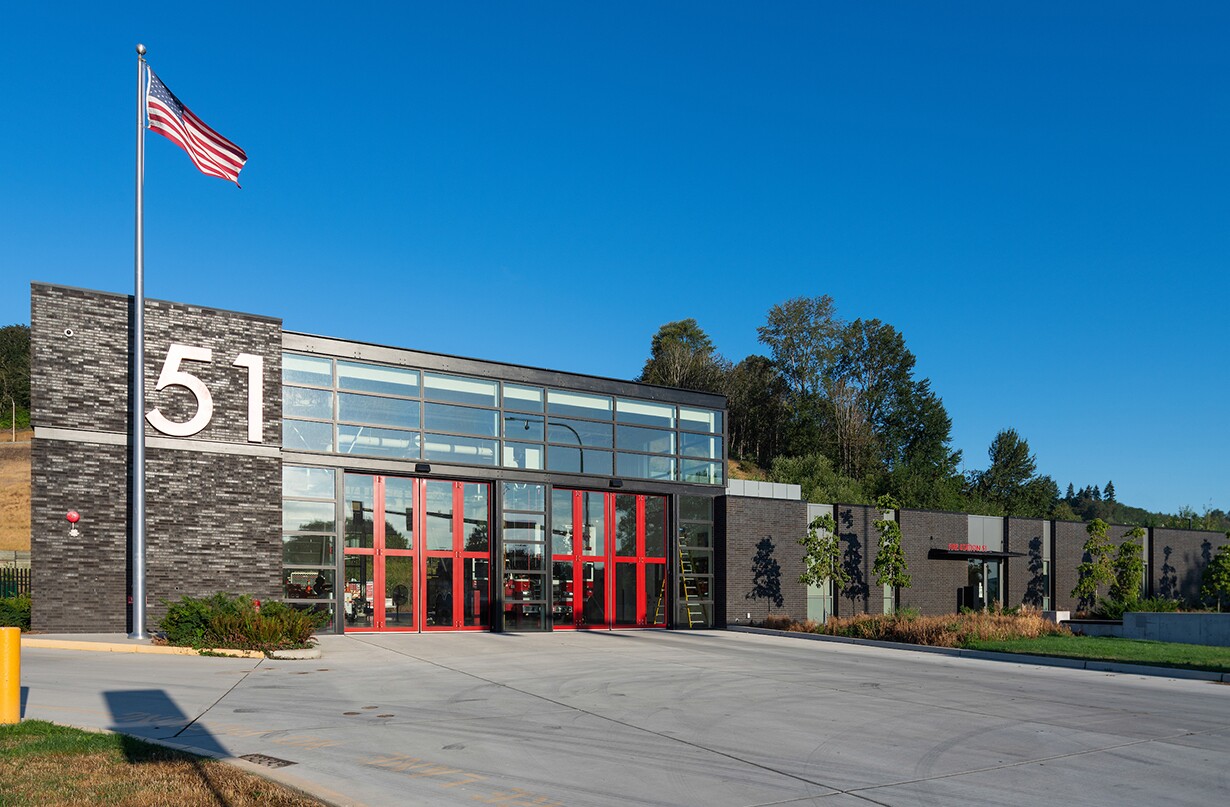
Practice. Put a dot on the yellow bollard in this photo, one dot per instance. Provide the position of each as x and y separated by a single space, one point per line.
10 675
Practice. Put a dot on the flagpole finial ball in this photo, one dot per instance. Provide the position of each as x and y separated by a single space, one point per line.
140 49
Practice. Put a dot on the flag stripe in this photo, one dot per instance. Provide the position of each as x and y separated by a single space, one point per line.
209 151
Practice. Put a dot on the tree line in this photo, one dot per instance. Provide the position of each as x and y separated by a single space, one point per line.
834 405
15 375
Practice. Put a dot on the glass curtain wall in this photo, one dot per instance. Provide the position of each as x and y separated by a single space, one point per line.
362 409
524 569
309 533
694 587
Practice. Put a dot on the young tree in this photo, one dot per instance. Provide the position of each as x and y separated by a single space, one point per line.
1215 583
1128 568
822 554
890 566
1096 569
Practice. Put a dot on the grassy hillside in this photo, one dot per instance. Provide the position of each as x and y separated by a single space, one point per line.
15 491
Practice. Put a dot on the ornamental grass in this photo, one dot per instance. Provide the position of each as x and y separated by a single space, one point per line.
949 630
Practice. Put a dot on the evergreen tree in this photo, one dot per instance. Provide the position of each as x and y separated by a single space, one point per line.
1071 495
1108 492
1097 494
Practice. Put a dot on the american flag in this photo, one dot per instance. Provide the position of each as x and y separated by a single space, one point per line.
211 153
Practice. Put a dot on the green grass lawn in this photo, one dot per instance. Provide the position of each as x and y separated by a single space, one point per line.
1107 648
45 764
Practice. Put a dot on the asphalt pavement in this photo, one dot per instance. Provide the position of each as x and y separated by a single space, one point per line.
712 718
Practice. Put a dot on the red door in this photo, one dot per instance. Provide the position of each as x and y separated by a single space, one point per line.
608 560
416 554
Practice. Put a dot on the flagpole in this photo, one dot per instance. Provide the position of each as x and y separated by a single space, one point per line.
138 376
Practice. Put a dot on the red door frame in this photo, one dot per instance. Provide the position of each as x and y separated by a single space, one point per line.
377 553
419 554
611 562
458 553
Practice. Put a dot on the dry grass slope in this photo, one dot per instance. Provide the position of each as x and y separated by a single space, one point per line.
15 491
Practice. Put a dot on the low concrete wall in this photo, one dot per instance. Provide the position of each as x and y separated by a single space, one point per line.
1206 629
1210 629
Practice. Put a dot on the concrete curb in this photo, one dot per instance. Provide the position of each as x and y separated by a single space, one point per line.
295 655
118 647
1015 658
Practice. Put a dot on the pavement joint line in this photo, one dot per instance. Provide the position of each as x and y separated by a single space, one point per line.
642 729
242 678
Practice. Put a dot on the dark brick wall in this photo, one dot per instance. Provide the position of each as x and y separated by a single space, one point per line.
1070 537
79 584
213 518
762 534
937 582
1025 583
1178 561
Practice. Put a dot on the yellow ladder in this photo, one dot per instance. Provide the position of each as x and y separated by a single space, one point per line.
691 608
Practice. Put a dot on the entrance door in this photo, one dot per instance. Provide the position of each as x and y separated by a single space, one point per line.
983 589
457 563
416 554
608 563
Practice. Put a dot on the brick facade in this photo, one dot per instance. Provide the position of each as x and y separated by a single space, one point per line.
936 582
1026 583
1176 559
213 500
762 535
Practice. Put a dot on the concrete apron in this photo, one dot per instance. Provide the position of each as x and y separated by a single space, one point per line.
651 717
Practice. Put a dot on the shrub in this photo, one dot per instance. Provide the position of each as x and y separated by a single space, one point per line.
1111 608
235 622
15 612
1163 605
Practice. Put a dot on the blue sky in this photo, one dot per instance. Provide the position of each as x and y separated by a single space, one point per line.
1034 194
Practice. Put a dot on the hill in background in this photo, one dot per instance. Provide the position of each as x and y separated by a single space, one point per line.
15 492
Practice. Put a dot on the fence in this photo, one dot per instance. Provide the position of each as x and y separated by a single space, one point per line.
14 582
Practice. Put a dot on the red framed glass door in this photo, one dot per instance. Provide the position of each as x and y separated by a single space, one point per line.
457 555
608 560
416 554
378 553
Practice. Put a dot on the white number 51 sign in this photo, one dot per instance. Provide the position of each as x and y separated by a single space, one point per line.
173 376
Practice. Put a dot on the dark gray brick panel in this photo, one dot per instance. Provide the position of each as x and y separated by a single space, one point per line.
1025 582
213 519
1178 561
79 584
758 534
936 582
81 382
213 524
859 538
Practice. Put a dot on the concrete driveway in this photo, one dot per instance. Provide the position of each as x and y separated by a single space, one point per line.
658 718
